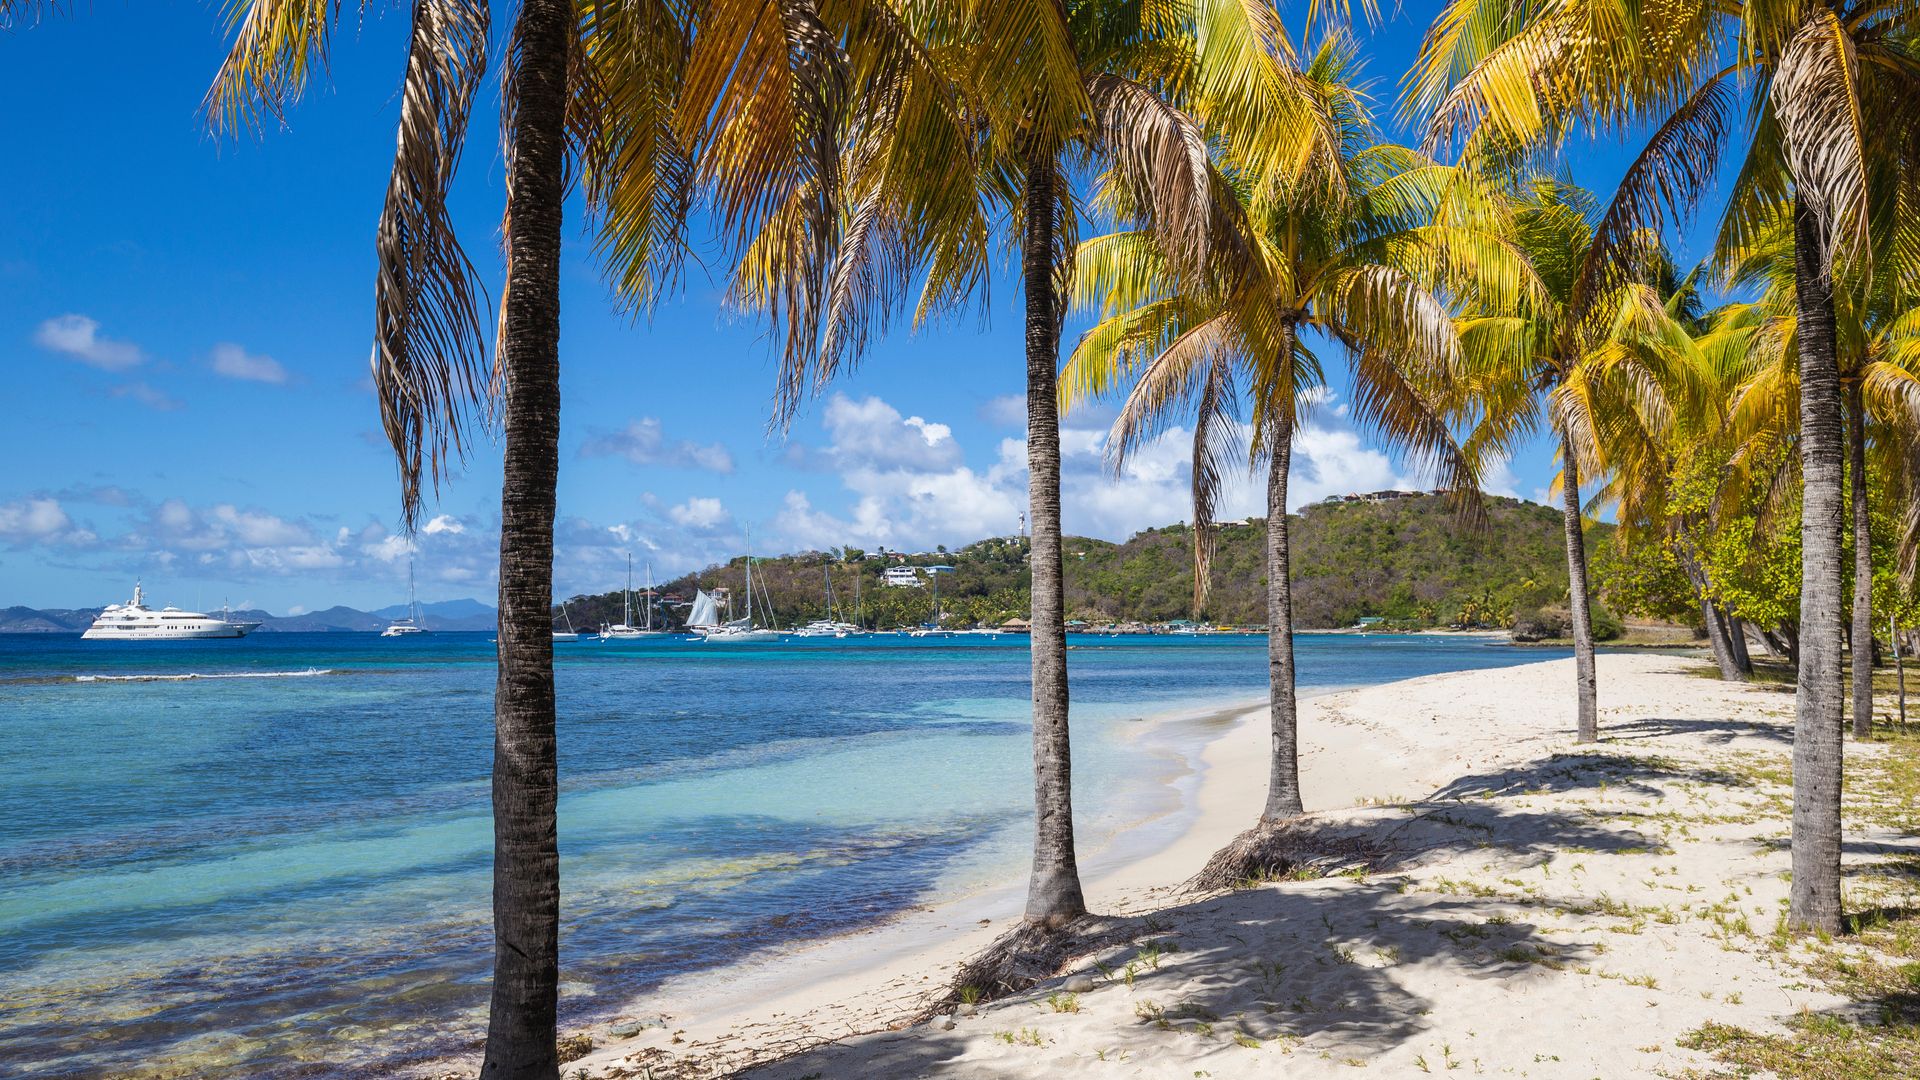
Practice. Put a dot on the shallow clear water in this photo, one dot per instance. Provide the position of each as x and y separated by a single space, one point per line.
287 867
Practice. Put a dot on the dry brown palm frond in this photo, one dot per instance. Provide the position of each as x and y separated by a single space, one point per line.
429 354
1159 154
1216 445
1816 96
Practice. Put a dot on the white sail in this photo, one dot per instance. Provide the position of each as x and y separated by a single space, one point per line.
706 612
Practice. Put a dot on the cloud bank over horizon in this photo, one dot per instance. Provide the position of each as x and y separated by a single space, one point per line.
885 479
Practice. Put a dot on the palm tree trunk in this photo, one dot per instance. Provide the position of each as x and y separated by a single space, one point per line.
1585 680
1053 892
526 857
1862 634
1817 752
1283 782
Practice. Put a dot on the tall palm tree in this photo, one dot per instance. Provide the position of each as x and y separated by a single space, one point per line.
1874 326
620 88
1810 73
1348 250
983 118
1574 365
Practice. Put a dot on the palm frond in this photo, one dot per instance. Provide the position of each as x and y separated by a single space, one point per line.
1816 95
429 367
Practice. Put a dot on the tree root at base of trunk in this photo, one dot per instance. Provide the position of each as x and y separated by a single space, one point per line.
1026 955
1281 850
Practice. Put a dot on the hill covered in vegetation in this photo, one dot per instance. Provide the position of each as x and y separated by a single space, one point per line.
1409 561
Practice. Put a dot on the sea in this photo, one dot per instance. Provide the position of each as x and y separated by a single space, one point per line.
271 857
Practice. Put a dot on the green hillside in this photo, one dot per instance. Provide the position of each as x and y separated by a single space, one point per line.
1407 560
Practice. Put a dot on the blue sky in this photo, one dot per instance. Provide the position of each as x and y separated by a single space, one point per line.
184 334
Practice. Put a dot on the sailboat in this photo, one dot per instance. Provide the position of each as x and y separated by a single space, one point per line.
738 631
410 624
828 627
569 634
933 628
625 630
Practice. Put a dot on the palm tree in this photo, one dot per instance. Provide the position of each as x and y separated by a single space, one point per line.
1346 250
622 89
1583 364
1874 327
1505 73
982 118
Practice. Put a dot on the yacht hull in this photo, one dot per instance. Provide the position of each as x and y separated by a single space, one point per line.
168 633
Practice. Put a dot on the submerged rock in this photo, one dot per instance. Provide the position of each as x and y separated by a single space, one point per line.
627 1029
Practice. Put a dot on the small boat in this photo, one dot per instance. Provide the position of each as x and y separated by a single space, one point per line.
134 621
569 634
411 624
625 630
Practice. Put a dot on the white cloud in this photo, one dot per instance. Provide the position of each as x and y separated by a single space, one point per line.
1334 461
387 549
234 362
79 337
443 523
1007 410
146 394
870 433
701 513
26 522
644 442
256 528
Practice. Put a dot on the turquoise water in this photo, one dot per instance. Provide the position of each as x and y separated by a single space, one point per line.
282 868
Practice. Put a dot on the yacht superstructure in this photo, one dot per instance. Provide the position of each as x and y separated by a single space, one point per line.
135 621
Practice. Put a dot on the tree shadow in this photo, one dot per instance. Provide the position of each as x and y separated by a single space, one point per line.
1590 770
1325 961
1717 731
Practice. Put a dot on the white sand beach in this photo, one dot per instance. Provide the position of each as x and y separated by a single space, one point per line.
1530 908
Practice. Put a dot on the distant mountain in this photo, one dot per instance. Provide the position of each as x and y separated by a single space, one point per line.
1403 557
448 611
445 615
26 620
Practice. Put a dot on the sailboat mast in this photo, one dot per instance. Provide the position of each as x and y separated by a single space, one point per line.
626 597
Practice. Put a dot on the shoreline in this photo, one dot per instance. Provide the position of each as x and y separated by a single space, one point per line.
1509 873
880 972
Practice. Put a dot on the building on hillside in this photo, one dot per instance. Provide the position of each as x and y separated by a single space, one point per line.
901 577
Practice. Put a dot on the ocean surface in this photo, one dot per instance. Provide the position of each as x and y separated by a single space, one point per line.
280 865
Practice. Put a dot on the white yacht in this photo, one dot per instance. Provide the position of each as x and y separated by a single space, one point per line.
626 631
410 624
137 622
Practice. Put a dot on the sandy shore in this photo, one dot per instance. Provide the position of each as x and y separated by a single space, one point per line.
1531 908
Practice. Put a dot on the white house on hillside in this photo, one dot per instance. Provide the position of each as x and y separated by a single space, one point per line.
901 577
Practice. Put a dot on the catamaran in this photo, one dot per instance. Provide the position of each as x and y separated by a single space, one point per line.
737 631
136 622
410 624
625 630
